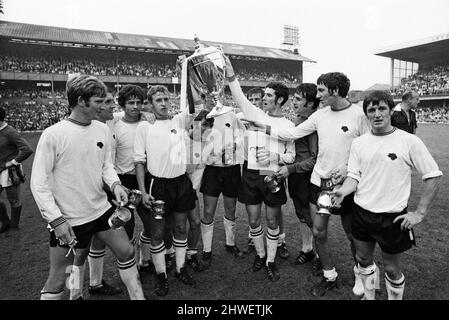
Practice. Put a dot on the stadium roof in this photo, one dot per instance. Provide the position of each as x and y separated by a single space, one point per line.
379 86
435 48
60 36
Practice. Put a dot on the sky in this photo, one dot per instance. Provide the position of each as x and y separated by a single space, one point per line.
339 35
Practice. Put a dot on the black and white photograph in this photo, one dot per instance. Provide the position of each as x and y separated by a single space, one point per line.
224 156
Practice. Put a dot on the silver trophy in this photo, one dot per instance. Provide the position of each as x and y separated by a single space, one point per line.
206 68
158 209
324 201
120 217
273 183
134 198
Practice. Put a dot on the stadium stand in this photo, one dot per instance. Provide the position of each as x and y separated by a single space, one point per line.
35 62
423 66
431 82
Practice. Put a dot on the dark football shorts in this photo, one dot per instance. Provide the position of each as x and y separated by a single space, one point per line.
299 187
177 193
253 190
379 227
129 181
84 232
346 204
299 190
218 180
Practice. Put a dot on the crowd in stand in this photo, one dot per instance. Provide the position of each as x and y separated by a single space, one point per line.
433 115
41 109
434 81
29 110
245 74
86 66
30 94
105 67
33 115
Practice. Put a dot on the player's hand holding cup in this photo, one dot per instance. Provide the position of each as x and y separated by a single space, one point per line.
147 200
121 196
282 173
336 197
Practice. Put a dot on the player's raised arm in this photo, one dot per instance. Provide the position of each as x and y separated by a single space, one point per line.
250 111
287 134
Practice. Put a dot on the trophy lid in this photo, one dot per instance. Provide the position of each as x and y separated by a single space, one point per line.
198 43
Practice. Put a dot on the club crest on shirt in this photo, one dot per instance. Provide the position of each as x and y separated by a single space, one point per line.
344 129
392 156
100 145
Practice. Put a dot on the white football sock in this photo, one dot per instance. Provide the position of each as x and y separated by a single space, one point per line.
358 288
170 250
272 244
158 256
135 245
281 239
191 252
144 250
180 253
330 275
130 277
307 237
368 276
96 262
207 232
76 282
395 288
45 295
257 236
229 226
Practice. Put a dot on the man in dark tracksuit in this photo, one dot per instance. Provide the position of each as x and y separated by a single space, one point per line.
404 117
14 150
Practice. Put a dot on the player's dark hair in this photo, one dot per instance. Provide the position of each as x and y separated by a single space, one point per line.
84 86
128 92
335 80
280 91
308 91
376 97
253 91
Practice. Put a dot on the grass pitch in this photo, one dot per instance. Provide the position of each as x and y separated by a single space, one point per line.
24 254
